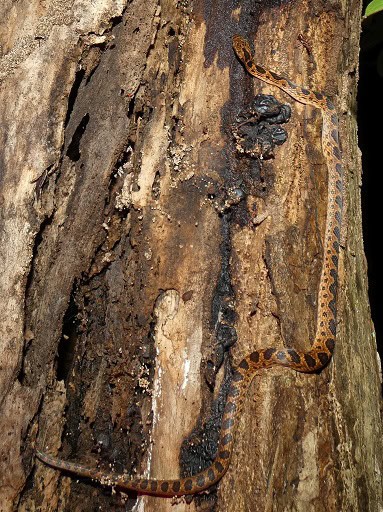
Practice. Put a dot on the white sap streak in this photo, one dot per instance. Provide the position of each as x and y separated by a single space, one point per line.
186 371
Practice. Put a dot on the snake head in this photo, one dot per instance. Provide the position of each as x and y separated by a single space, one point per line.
242 48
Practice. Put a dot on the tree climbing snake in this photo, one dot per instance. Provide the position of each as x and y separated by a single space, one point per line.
307 362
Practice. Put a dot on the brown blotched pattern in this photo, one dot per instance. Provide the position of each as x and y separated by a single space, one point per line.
307 362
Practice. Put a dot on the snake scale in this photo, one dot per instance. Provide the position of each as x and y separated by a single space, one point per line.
307 362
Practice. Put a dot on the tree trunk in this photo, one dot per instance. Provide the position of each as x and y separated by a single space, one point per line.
143 255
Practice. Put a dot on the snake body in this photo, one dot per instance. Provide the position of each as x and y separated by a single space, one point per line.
307 362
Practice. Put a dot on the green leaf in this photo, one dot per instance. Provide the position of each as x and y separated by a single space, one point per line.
373 7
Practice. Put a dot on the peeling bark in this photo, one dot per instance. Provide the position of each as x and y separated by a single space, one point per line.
142 255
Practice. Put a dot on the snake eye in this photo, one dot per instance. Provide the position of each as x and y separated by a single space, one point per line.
246 55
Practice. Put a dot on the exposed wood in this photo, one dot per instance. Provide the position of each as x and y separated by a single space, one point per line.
141 255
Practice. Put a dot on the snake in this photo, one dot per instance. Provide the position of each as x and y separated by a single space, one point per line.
310 361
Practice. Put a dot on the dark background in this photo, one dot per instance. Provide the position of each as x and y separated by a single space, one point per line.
370 135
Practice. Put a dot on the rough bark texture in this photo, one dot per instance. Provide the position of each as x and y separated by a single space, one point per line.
133 276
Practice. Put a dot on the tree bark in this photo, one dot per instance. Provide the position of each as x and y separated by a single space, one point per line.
143 256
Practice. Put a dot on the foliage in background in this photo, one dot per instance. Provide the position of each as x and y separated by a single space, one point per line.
373 7
372 37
